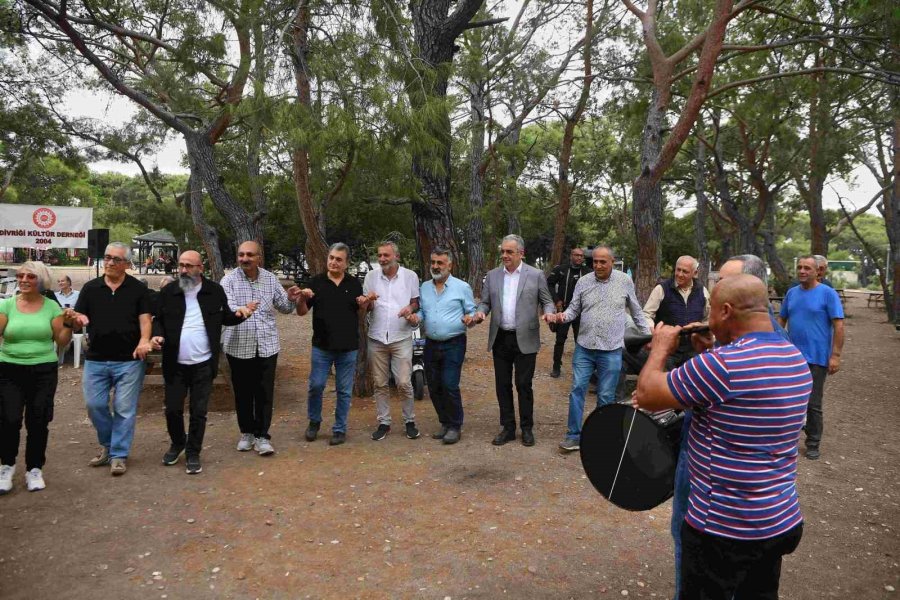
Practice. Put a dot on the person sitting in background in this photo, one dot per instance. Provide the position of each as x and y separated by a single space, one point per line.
29 323
66 296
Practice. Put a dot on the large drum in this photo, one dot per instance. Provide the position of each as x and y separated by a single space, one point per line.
630 456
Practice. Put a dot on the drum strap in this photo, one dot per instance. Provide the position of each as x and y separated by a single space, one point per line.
621 458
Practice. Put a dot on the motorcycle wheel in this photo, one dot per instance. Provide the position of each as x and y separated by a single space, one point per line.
418 383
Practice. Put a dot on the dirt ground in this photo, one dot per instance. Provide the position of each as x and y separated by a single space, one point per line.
416 519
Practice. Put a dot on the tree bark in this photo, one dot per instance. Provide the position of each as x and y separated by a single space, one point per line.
647 202
892 212
700 216
207 234
511 196
475 226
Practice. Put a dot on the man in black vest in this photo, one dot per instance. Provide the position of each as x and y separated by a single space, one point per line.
681 300
188 327
561 281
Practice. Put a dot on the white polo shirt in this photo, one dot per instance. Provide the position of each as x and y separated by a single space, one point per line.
393 294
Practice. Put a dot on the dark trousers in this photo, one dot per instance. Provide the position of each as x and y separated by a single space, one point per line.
815 420
443 368
253 380
717 568
28 390
507 360
195 380
562 332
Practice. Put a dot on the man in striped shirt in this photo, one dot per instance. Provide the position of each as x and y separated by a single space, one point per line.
748 399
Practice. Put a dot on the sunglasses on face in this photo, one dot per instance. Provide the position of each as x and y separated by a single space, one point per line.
28 276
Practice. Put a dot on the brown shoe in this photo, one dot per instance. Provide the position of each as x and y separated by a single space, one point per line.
117 467
101 459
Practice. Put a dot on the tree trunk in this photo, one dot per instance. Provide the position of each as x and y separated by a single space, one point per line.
315 250
363 386
892 216
647 202
203 161
700 216
782 277
475 226
819 127
254 135
207 234
511 196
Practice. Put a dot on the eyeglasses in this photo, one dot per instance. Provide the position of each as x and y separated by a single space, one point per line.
187 266
503 251
116 260
28 276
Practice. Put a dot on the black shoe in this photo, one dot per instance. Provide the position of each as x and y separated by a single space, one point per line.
337 438
504 436
812 453
411 431
554 373
193 465
527 437
171 457
381 433
312 432
452 436
440 434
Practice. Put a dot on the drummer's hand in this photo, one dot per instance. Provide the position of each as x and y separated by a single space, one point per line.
665 338
701 341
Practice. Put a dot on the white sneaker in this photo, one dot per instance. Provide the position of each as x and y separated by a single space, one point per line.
246 443
34 480
263 446
6 477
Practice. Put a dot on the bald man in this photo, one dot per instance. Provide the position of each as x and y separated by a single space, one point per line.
748 399
187 327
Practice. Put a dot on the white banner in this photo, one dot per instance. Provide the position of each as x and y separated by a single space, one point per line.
30 226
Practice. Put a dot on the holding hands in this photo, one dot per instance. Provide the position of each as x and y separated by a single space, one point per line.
246 311
296 293
76 320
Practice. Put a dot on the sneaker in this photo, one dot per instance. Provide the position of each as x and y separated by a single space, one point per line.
193 465
6 477
34 480
569 445
337 438
411 431
117 466
812 453
246 442
381 433
312 432
171 457
263 447
101 459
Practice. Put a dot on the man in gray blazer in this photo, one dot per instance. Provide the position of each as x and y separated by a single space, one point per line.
515 294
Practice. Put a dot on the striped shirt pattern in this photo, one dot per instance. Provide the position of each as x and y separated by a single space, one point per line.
258 334
749 401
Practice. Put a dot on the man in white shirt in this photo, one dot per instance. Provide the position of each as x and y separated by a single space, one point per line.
66 296
393 293
187 327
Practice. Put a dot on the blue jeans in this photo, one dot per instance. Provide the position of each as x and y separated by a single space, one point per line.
680 499
443 368
115 429
344 371
607 364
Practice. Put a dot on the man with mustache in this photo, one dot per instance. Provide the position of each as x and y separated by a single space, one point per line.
447 307
188 326
252 347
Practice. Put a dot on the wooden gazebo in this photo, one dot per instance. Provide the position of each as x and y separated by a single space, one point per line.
157 241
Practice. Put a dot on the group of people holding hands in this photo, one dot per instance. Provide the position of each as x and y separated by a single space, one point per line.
746 387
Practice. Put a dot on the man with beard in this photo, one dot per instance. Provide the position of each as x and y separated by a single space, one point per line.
188 326
252 347
447 307
393 293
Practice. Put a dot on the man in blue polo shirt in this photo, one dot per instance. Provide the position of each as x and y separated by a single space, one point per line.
447 307
748 399
813 315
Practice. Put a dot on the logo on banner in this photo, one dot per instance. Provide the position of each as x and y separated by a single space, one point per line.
44 218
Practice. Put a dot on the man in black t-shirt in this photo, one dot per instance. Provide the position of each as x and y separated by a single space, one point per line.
116 310
336 300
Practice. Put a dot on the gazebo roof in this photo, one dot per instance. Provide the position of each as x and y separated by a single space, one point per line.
160 236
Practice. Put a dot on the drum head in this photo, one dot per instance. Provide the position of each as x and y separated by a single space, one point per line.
639 475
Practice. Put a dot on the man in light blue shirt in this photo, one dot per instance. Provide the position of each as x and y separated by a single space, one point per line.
446 307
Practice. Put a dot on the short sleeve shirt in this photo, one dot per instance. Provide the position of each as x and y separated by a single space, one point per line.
809 314
335 313
393 294
114 328
28 337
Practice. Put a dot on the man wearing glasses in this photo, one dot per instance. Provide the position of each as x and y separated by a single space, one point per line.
561 281
116 310
252 347
188 326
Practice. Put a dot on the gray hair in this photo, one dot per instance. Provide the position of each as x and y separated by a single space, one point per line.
820 260
393 245
604 247
45 282
340 247
123 246
514 238
753 265
441 251
693 260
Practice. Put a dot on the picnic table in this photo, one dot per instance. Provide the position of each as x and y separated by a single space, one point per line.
875 297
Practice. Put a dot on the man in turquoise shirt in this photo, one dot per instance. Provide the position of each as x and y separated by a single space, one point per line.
446 307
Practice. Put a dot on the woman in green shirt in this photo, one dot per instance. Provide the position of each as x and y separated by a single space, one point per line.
29 324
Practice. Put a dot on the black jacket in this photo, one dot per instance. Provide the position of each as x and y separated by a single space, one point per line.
170 309
562 280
